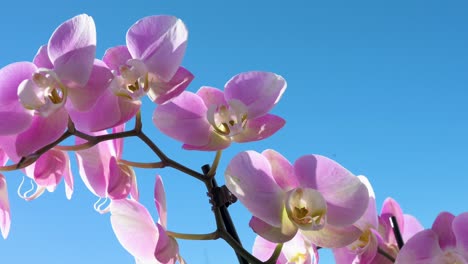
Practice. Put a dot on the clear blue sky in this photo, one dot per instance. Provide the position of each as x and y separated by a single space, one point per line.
379 86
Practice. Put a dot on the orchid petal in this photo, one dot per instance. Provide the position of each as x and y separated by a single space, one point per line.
134 228
280 234
281 169
412 226
14 118
249 177
5 218
370 219
72 48
167 248
68 178
260 128
94 166
109 111
263 249
84 98
423 248
116 56
11 76
442 226
347 198
42 131
42 59
160 200
184 119
160 41
3 158
259 91
391 208
215 142
332 237
49 169
164 91
211 96
120 180
460 229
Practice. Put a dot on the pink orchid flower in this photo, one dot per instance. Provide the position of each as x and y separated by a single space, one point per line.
101 171
63 77
211 119
136 231
377 232
150 62
316 196
446 242
5 218
48 171
297 250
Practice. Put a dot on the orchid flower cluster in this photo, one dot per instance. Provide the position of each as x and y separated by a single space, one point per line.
297 208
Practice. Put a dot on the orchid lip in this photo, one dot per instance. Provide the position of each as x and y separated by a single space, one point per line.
44 92
228 120
134 80
306 208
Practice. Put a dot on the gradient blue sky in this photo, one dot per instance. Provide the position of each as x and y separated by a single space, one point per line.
379 86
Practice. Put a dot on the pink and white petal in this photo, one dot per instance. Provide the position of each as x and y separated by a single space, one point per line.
279 234
42 131
5 217
423 248
442 226
160 41
460 229
135 194
347 197
298 250
259 91
211 96
93 164
116 56
120 180
343 255
72 49
332 237
42 59
165 91
167 248
110 110
391 208
160 200
249 177
134 228
263 249
85 97
11 76
215 142
3 157
14 118
184 119
370 218
260 128
68 178
49 169
412 226
281 169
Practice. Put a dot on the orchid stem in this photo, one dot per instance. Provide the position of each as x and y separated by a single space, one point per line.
212 172
209 236
143 165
